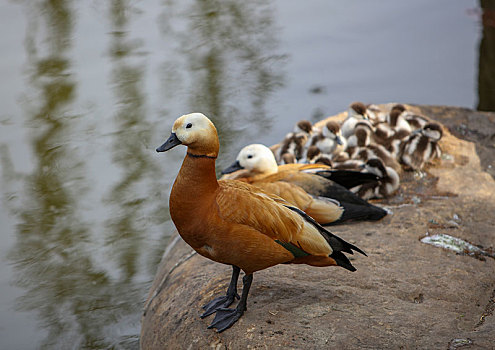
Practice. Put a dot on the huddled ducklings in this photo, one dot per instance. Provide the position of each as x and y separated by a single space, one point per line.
395 137
292 147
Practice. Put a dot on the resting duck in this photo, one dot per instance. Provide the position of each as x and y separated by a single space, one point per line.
237 224
257 159
317 180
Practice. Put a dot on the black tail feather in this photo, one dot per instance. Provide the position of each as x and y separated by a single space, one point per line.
348 178
360 212
342 260
338 244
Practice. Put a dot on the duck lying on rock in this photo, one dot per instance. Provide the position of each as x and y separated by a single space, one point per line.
257 165
235 223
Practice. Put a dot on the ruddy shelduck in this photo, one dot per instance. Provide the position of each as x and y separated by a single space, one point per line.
257 159
234 223
256 165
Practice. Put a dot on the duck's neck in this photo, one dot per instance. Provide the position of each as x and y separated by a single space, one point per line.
196 181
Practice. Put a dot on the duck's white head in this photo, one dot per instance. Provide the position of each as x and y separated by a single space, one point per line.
195 131
256 158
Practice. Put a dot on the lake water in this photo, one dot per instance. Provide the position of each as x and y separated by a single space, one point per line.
89 89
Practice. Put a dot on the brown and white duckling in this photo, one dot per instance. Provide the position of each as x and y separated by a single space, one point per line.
294 142
356 112
421 146
350 164
387 184
416 121
362 137
398 123
395 126
377 151
314 156
304 126
329 140
375 114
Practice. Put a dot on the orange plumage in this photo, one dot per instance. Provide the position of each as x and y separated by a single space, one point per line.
316 189
237 224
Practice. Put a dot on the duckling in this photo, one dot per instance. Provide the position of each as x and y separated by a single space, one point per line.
375 114
318 180
355 113
421 147
387 185
292 144
314 156
391 132
288 158
416 121
237 224
304 126
362 137
329 140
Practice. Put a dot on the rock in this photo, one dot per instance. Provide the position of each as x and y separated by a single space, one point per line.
405 294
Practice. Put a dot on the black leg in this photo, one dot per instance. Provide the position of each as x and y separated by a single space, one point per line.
225 317
228 299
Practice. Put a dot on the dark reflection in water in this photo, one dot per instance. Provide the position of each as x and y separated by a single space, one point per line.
50 257
126 231
232 69
486 74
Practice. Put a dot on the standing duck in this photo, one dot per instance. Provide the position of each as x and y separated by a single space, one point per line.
237 224
257 166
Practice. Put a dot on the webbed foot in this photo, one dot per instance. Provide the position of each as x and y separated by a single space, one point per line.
219 303
225 318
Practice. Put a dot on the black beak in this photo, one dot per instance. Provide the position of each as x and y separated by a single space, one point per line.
170 143
234 167
339 140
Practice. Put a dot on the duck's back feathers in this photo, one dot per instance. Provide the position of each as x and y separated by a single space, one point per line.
269 215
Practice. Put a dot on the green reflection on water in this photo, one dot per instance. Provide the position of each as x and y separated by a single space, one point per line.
228 50
80 300
138 186
50 256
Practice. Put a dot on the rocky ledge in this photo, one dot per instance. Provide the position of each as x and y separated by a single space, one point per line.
405 294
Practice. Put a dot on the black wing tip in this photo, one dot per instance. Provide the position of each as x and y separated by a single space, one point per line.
348 178
338 243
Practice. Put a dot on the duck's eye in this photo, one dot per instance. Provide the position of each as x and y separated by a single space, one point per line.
189 125
250 156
